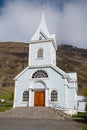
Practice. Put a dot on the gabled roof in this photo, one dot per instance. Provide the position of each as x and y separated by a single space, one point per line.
57 69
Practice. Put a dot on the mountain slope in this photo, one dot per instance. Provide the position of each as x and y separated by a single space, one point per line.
72 59
14 58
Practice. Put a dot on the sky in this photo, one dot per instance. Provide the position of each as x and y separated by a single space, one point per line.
67 19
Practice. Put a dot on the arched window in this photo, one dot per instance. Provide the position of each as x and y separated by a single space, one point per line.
40 53
25 96
40 74
54 96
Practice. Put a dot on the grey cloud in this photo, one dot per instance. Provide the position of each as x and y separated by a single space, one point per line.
20 19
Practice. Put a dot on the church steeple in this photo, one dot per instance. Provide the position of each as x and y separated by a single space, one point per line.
42 28
42 47
42 32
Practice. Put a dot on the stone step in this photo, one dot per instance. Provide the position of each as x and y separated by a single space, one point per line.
34 113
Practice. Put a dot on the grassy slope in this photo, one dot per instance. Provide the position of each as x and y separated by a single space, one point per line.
5 92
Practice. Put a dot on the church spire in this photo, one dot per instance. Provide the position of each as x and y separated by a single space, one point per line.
42 31
42 27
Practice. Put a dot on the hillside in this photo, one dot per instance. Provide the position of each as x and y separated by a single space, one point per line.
14 58
72 59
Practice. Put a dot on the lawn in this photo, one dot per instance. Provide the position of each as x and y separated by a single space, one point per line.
6 93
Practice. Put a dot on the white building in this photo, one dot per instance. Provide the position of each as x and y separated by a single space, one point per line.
81 104
42 83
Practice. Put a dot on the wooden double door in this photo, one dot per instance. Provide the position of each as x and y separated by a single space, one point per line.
39 98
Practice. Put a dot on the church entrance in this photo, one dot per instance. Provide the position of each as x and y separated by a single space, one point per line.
39 98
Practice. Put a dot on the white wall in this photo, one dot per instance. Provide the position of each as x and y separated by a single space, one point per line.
49 54
55 81
72 96
81 103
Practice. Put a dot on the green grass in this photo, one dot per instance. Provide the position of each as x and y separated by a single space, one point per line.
84 127
80 115
7 94
6 106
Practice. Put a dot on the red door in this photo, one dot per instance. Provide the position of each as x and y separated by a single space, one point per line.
39 99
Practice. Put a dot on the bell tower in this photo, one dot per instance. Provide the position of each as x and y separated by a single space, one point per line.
42 46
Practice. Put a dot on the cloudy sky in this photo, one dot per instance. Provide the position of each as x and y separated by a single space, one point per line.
19 20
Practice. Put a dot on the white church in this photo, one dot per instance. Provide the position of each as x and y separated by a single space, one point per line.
42 83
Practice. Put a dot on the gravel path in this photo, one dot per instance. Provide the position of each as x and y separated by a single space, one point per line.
37 124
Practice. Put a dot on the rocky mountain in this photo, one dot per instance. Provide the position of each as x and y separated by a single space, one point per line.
14 58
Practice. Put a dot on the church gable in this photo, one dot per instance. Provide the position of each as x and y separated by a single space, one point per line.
40 36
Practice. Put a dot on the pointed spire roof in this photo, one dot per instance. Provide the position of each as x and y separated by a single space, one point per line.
42 28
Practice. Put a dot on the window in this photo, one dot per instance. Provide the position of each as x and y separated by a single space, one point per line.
40 74
40 38
40 53
54 96
25 96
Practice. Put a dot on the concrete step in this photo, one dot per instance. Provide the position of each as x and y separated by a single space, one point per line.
34 113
